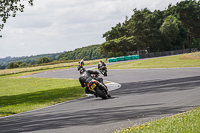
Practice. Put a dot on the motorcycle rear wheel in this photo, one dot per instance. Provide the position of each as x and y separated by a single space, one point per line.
100 93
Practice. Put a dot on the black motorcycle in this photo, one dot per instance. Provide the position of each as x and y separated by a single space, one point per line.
103 70
100 89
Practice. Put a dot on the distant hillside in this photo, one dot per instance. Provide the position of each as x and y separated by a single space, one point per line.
87 53
26 59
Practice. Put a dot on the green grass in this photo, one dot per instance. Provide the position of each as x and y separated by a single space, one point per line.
188 122
19 94
177 61
46 67
24 94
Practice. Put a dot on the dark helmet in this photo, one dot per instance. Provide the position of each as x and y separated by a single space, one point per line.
82 70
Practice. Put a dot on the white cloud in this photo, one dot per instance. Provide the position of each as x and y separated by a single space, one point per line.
55 26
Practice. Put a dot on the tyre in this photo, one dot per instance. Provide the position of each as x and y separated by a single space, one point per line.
100 93
105 73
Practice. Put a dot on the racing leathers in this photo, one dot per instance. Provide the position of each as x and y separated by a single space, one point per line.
84 80
100 64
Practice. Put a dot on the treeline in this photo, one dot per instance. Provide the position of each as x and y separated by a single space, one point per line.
176 27
26 60
86 53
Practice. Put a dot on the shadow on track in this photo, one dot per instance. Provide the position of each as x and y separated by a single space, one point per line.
170 85
104 115
88 117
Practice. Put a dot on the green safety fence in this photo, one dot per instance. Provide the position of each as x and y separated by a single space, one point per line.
112 60
134 57
120 58
127 58
123 58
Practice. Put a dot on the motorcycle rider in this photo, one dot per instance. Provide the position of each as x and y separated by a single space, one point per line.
86 75
81 63
100 64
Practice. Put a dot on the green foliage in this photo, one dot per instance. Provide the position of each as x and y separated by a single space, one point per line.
118 46
19 62
86 58
63 58
13 65
174 32
29 60
9 8
22 65
89 52
42 60
171 29
118 31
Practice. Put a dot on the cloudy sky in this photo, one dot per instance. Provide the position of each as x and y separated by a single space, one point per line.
52 26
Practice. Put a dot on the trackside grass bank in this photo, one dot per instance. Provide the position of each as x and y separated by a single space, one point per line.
177 61
24 94
45 67
18 94
188 122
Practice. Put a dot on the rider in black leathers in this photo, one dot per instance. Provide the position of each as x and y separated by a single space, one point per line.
100 64
84 76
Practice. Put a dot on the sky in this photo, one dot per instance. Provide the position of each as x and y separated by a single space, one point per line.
54 26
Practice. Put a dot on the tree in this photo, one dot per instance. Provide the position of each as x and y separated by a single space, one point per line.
118 31
172 29
188 12
19 63
42 60
86 58
91 51
9 8
22 65
119 46
11 65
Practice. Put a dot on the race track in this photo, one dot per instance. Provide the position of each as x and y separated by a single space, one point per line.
144 95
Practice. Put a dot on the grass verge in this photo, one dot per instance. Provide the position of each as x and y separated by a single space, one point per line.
177 61
46 67
24 94
188 122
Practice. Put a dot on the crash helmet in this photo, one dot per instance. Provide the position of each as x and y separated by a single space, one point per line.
100 61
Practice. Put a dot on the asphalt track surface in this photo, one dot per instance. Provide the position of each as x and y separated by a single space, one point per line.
142 95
